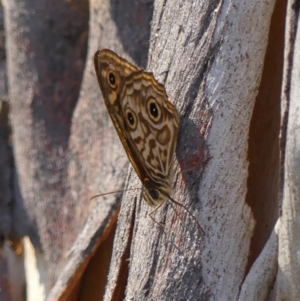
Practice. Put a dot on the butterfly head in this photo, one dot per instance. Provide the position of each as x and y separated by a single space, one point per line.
156 193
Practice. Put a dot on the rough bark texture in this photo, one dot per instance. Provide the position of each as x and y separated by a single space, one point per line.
288 285
202 52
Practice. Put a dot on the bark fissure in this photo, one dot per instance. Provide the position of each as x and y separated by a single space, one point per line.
263 152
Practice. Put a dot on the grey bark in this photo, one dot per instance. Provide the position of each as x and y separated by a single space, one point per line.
210 58
202 53
96 155
45 56
288 280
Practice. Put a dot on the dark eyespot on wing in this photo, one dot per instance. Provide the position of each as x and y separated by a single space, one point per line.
131 119
153 109
112 78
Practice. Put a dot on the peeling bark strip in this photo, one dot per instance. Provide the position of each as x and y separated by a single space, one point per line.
263 142
119 292
60 163
46 52
92 243
289 241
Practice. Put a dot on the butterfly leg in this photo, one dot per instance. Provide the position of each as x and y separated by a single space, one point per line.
188 211
160 224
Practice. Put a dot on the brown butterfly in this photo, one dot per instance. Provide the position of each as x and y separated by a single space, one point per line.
145 120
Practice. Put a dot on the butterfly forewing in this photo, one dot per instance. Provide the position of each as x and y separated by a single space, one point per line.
146 122
111 70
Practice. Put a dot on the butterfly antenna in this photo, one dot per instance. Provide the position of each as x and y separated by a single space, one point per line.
112 192
188 211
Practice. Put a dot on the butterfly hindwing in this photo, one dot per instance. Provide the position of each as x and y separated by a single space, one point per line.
152 123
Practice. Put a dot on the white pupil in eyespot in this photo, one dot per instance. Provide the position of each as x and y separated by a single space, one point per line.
130 118
112 79
153 110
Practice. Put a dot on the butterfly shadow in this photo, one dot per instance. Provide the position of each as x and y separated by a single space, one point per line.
192 155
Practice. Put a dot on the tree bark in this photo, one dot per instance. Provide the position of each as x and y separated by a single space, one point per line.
210 58
288 284
97 159
223 68
45 55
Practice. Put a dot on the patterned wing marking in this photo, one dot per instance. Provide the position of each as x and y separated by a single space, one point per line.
159 129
